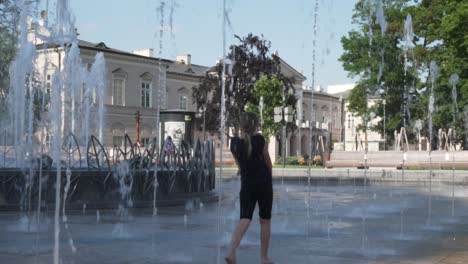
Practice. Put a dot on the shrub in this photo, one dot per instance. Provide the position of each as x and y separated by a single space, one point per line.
301 161
292 161
317 160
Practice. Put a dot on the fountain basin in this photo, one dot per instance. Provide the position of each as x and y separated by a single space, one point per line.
343 223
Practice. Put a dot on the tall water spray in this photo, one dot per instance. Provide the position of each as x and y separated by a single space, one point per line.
83 94
221 129
65 30
124 177
376 8
314 50
86 105
407 45
72 79
66 83
453 81
434 73
465 119
172 8
56 121
97 76
63 34
380 16
21 69
73 82
159 90
370 34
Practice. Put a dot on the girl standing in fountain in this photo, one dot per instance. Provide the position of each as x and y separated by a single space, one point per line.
251 155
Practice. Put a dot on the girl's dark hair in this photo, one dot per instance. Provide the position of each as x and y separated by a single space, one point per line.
248 123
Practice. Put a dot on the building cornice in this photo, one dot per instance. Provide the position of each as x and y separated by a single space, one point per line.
184 76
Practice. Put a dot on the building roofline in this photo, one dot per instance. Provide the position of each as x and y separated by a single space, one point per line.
101 47
124 53
321 93
291 67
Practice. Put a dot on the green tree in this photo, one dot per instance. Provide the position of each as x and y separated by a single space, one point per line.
270 88
440 36
248 62
8 39
378 62
442 27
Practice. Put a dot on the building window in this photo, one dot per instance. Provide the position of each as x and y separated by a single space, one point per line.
48 140
118 91
146 94
324 119
183 102
163 99
48 84
117 141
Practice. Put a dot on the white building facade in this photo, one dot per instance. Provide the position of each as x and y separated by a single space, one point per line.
131 85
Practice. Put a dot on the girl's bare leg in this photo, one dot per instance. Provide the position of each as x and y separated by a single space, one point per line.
237 235
264 240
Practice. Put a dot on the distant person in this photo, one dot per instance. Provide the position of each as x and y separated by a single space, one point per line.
43 21
250 152
43 24
169 146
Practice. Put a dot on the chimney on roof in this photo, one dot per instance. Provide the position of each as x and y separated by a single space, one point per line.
184 59
321 88
144 52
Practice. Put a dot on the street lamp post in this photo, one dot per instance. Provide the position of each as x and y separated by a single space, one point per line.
306 124
137 116
261 113
283 115
384 102
203 109
201 113
299 125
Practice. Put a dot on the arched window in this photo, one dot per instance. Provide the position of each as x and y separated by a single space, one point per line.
183 98
305 111
146 90
118 133
325 114
145 135
119 79
48 83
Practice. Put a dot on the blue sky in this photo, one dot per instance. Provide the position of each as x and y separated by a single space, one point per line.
131 25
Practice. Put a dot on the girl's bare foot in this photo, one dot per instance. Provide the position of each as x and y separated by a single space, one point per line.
230 257
266 261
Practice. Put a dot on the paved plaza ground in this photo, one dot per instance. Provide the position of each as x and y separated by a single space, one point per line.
328 222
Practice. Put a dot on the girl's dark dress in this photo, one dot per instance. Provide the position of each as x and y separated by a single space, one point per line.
256 180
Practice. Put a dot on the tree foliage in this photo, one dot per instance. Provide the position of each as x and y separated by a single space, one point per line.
246 63
442 27
270 88
8 39
440 36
